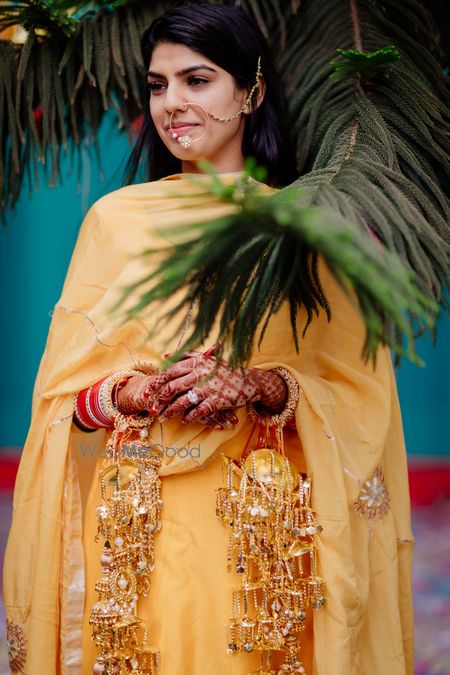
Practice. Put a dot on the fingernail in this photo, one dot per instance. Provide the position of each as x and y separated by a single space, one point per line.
210 351
146 394
234 419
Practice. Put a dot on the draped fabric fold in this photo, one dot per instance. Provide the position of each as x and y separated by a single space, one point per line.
349 437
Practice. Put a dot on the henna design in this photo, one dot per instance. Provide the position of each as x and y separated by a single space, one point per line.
130 398
219 387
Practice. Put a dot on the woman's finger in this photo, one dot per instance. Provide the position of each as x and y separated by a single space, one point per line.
178 369
209 406
182 403
192 361
214 422
172 391
204 383
229 416
223 419
183 355
210 351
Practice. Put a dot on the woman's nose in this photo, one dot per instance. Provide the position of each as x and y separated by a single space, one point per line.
174 99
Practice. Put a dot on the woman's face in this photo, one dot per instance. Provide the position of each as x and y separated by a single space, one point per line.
178 74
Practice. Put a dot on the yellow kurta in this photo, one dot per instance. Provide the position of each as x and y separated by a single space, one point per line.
349 437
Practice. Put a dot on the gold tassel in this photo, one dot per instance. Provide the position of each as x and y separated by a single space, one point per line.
267 505
128 520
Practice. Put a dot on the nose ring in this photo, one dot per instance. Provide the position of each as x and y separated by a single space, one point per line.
186 140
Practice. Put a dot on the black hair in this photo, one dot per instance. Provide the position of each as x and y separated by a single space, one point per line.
228 37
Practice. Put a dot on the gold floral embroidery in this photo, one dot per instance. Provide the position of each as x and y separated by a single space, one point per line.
373 500
16 643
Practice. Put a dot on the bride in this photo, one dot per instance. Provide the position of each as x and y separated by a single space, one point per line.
213 94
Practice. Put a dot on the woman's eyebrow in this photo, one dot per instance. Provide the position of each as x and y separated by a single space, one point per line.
184 71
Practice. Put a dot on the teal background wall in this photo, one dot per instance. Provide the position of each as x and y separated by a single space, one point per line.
35 251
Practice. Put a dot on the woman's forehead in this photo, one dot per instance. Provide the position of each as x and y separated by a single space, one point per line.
172 58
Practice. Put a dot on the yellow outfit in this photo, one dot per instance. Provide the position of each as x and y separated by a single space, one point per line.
349 438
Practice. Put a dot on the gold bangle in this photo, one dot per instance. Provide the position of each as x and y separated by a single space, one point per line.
106 389
105 392
280 419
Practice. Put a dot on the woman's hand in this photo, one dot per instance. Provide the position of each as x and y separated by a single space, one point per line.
218 389
130 398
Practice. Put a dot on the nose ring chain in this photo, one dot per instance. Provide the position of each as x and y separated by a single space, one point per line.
247 100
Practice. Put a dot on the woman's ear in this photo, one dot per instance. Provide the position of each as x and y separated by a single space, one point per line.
257 97
260 92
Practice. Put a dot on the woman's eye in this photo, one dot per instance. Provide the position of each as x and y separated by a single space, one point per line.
155 86
196 80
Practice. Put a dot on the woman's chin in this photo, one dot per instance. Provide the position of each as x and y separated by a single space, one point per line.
188 155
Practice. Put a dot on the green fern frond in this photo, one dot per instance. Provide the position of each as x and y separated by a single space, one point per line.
364 66
371 148
44 15
243 266
71 69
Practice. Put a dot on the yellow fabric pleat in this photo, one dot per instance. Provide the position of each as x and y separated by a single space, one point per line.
348 427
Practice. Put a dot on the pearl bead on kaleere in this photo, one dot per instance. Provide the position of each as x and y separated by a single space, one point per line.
99 666
106 559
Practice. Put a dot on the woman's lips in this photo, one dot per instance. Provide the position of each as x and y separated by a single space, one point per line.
181 127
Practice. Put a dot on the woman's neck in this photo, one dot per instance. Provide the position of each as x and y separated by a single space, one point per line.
232 163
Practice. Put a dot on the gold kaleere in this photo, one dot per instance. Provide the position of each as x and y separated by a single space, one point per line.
128 521
267 505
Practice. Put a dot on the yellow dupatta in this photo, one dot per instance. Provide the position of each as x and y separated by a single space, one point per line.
349 430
